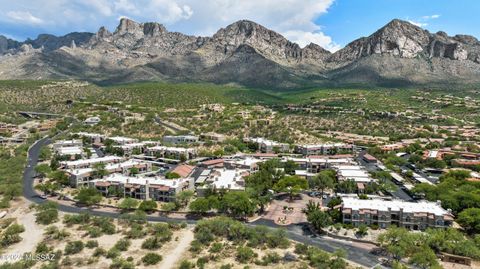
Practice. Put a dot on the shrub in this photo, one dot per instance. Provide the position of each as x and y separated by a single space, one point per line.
99 252
196 246
82 218
11 235
47 213
113 253
73 247
201 262
91 244
119 263
216 247
136 231
186 265
151 243
42 248
301 249
122 244
151 258
94 232
244 254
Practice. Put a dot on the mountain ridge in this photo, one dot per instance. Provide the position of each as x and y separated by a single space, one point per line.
243 52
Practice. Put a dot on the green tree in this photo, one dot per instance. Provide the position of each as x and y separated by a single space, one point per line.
48 187
88 196
169 206
425 258
398 242
319 219
293 185
99 170
323 180
238 204
42 170
134 171
128 204
290 167
200 205
147 205
59 177
182 198
470 219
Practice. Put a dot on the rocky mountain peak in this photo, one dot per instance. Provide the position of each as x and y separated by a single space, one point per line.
127 26
103 33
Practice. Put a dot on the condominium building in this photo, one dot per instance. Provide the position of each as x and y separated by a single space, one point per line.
171 152
221 178
67 144
85 163
180 139
82 176
145 188
248 163
384 213
268 146
120 140
353 172
140 147
324 149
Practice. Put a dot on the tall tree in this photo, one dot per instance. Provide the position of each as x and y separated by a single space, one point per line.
293 185
323 180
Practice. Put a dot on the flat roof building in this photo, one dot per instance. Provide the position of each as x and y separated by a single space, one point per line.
384 213
145 188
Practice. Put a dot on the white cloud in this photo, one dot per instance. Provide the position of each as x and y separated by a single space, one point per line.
101 6
429 17
419 24
303 38
196 17
24 17
125 6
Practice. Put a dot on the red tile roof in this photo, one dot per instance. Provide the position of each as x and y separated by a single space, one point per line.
183 170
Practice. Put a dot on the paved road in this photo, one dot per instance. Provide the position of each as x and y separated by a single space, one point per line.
295 232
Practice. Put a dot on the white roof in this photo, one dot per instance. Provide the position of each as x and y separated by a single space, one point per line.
248 161
121 139
397 177
105 159
69 151
119 178
326 145
261 140
304 173
394 205
227 178
421 179
171 149
108 167
137 145
355 172
67 142
433 154
90 135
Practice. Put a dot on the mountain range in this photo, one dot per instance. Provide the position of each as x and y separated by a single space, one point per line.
244 53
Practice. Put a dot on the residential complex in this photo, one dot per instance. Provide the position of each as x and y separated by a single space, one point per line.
155 188
384 213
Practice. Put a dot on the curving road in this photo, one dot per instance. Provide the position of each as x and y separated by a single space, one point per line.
355 252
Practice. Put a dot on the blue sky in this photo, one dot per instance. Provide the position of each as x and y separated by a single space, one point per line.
329 23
